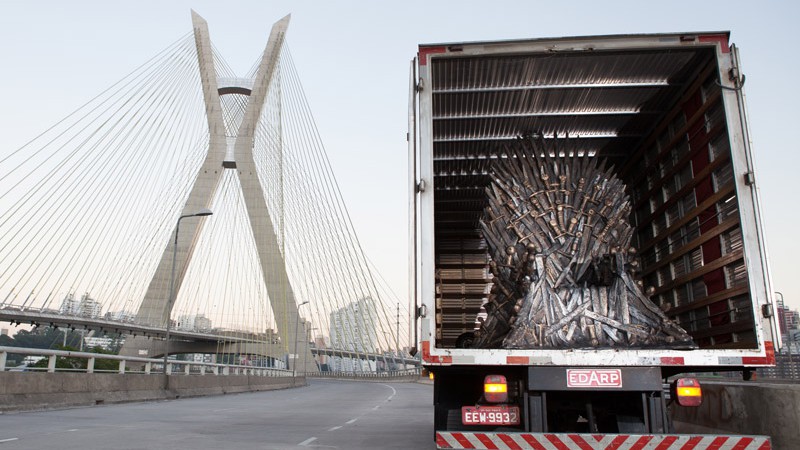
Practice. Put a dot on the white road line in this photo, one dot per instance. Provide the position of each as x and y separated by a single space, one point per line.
376 407
307 441
394 392
350 421
74 429
334 428
8 440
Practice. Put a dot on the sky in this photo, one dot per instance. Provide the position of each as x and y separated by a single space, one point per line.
353 59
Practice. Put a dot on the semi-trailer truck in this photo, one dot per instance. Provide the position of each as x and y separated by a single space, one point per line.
666 115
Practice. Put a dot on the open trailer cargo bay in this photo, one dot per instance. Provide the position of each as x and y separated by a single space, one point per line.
667 113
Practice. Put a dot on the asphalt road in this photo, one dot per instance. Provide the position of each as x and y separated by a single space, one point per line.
327 414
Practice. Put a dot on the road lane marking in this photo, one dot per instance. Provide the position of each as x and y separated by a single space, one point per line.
334 428
74 429
8 440
376 407
394 392
307 441
350 421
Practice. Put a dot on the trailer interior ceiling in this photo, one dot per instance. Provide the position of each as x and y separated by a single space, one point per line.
655 114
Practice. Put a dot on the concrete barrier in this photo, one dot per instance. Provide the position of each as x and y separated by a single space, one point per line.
20 391
762 408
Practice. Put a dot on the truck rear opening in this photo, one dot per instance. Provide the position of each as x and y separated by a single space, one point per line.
667 113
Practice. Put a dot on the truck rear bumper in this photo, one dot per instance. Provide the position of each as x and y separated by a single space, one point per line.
560 441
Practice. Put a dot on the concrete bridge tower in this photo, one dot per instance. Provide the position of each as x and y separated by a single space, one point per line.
229 153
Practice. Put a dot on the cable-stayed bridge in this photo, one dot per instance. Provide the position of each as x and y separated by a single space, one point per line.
191 200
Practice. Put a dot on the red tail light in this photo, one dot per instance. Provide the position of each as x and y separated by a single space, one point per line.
495 389
687 392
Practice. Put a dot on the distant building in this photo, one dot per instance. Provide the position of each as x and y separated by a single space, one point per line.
353 329
788 319
271 336
85 307
121 316
199 357
69 306
102 342
89 307
202 323
31 360
792 321
185 322
196 322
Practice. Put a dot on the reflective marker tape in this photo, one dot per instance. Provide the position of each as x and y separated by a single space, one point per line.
564 441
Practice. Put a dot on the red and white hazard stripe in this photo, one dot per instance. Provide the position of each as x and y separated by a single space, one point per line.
567 441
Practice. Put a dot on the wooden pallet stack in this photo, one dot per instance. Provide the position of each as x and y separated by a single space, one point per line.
559 237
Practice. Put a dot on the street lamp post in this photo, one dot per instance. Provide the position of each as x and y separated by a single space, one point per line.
296 327
170 300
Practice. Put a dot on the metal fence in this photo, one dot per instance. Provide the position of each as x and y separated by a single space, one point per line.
132 364
392 375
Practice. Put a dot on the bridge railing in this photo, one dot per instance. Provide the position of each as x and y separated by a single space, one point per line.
186 367
392 375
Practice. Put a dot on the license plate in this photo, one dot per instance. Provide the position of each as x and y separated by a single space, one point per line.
490 415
